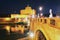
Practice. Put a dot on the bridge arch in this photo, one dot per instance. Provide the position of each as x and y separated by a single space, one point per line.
39 35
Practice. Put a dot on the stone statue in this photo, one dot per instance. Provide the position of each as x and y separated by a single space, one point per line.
51 15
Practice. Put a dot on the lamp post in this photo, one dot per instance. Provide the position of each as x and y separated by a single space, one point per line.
40 9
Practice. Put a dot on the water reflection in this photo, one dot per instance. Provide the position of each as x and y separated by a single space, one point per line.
11 32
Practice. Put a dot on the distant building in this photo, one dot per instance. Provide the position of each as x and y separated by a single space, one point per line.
24 13
27 11
18 16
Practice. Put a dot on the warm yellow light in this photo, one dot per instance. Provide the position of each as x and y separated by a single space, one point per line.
27 11
18 16
7 28
7 19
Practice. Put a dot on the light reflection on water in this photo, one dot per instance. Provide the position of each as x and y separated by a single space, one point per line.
11 32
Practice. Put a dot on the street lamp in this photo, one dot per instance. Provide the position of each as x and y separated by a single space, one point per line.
31 34
40 8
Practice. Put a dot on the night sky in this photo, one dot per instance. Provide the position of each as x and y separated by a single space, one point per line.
13 6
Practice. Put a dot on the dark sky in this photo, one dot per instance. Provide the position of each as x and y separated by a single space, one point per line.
13 6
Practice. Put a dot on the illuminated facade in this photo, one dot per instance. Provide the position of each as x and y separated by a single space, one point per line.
18 16
27 11
24 13
50 27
